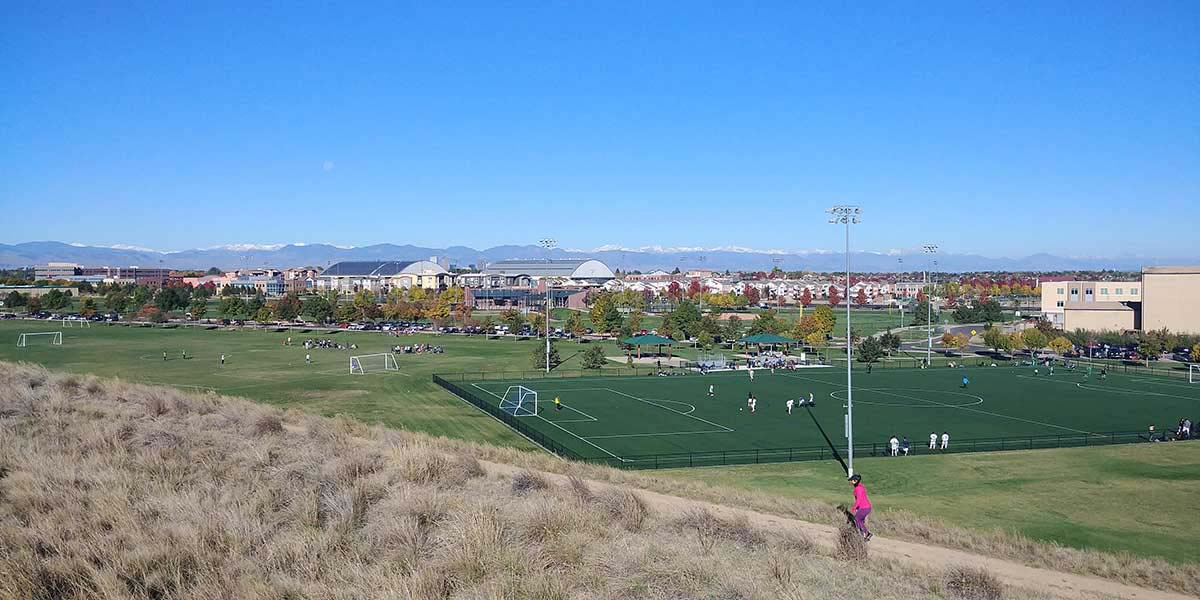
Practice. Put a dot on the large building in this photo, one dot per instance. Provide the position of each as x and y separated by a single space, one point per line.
382 276
74 272
528 273
1099 316
1057 295
1171 299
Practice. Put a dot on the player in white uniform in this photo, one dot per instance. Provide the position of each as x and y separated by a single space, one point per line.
712 390
945 440
790 404
894 444
751 374
753 403
933 440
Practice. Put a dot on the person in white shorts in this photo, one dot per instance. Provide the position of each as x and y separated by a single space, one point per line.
945 440
894 444
308 359
790 404
712 390
753 403
933 440
751 373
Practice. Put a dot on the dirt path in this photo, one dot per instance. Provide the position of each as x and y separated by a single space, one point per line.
1063 585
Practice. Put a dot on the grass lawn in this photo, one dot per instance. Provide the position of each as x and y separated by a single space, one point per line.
1135 498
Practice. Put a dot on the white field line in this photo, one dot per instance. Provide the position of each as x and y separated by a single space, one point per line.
678 412
987 412
572 433
630 435
1084 386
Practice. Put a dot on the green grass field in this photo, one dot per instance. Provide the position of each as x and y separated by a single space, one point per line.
631 419
1132 498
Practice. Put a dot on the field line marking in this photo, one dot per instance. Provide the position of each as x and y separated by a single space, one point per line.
573 434
1088 386
986 412
678 412
629 435
1182 386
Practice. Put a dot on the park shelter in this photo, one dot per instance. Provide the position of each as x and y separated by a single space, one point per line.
650 340
769 339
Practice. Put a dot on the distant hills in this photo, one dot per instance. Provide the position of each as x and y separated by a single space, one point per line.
643 259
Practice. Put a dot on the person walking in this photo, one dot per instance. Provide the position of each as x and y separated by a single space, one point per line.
862 506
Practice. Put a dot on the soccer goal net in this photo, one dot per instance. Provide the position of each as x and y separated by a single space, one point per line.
55 338
1193 373
76 323
519 401
373 363
710 361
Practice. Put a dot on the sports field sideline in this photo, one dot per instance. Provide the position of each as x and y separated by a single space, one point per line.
674 421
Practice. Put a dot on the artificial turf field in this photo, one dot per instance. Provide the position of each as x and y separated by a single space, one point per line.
672 421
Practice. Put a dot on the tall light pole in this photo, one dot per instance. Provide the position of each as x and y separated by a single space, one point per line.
900 261
929 249
548 244
848 215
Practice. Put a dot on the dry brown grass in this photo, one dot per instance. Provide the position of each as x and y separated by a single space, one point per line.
113 490
970 583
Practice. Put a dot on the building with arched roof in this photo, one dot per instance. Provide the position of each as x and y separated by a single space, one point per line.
381 276
529 273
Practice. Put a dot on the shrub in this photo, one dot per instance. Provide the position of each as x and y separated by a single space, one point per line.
972 583
527 481
850 543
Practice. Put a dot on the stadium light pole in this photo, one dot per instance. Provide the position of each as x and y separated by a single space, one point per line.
848 215
548 244
900 261
928 249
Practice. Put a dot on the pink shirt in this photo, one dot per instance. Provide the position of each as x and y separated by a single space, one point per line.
860 497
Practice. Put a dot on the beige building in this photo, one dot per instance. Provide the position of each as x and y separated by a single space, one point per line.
1057 295
1098 316
1171 299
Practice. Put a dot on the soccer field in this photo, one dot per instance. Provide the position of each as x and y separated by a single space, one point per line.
672 421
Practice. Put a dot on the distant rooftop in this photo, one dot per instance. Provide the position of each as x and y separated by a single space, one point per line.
375 268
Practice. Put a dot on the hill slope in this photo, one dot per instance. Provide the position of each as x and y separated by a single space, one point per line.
112 490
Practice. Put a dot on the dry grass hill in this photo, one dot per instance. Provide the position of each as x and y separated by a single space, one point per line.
113 490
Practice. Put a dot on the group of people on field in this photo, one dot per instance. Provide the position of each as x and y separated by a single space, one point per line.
897 446
418 349
309 344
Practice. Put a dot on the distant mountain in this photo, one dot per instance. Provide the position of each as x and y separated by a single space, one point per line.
644 259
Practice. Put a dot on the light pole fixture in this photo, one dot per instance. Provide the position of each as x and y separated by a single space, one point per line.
548 244
929 249
848 215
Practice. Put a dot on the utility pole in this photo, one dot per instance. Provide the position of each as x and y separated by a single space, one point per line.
548 244
848 215
929 249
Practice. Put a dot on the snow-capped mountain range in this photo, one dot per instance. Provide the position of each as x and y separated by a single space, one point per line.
643 258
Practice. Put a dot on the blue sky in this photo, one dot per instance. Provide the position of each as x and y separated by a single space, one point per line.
997 128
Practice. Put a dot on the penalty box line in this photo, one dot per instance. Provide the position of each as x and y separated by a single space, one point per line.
568 431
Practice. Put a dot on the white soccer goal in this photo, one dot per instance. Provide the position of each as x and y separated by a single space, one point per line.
55 338
1193 373
74 322
519 401
373 363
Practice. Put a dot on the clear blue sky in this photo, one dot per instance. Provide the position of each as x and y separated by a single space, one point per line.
1002 129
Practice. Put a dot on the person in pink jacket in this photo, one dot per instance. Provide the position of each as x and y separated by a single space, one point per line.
862 505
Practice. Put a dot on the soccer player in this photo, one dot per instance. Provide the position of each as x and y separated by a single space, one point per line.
751 374
862 506
965 382
1103 373
933 440
183 354
753 403
894 444
905 445
712 390
308 359
1051 367
557 403
945 440
222 360
790 404
164 355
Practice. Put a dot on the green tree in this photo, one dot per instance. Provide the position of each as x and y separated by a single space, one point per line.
575 323
198 308
869 350
816 340
602 302
635 319
232 306
704 340
264 315
33 304
733 329
87 307
611 320
288 307
889 341
766 322
685 318
1033 340
667 329
116 301
539 355
14 299
512 318
318 308
1152 344
55 299
1196 352
594 358
996 339
1061 345
214 271
254 304
921 313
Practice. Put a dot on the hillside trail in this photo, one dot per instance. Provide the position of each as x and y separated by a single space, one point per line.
1056 583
